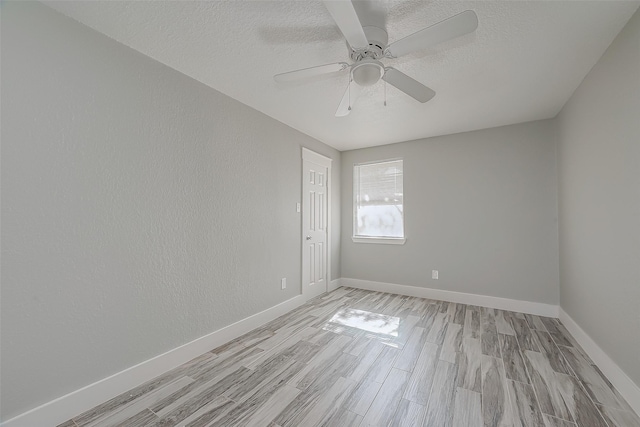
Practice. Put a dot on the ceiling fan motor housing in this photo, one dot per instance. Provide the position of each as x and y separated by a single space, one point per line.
368 70
377 38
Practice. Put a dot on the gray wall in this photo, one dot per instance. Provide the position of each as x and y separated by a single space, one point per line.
140 208
480 207
599 188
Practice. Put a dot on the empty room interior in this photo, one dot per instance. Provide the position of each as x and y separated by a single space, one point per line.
203 219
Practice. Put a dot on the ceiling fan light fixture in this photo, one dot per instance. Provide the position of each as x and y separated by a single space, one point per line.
367 72
368 44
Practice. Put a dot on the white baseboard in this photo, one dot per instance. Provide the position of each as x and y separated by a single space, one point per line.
334 284
528 307
625 385
79 401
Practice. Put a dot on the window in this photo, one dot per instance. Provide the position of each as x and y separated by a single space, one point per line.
378 202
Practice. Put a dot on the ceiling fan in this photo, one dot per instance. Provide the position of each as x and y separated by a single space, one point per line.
368 45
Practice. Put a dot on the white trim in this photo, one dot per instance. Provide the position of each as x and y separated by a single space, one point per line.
334 284
64 408
329 193
316 158
379 240
625 385
529 307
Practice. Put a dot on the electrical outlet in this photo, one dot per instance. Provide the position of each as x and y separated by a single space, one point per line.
283 282
434 274
297 207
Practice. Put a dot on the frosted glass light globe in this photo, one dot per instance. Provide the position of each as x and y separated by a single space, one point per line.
367 73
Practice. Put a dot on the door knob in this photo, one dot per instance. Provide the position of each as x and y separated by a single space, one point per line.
308 237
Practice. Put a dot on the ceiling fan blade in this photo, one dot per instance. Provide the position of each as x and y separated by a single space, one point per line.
348 99
456 26
411 87
310 72
343 12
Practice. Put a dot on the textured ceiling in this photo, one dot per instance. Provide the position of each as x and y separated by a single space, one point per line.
522 64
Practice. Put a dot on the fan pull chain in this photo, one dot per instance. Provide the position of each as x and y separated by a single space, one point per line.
350 80
385 93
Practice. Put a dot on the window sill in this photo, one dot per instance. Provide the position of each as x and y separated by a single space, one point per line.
380 240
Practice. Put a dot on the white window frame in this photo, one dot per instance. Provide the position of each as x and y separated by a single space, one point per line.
378 240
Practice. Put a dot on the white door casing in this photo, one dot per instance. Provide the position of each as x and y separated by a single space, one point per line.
316 171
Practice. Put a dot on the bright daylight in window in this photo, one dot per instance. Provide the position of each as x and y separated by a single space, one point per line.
378 208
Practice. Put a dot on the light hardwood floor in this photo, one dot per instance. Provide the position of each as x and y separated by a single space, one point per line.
361 358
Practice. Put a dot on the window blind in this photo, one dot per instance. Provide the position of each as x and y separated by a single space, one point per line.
378 191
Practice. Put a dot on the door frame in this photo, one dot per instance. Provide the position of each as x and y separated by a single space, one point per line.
323 161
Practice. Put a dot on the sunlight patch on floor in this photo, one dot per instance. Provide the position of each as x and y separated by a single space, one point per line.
367 321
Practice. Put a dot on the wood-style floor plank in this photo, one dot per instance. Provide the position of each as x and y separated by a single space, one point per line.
141 404
342 418
383 364
328 363
270 372
405 330
583 410
459 311
321 363
360 400
596 385
117 402
142 419
558 332
366 360
496 407
502 323
452 344
550 421
546 385
513 362
552 353
303 405
438 329
469 369
328 404
524 406
468 409
534 322
442 400
409 414
524 335
278 401
205 411
386 402
419 386
255 398
411 351
489 333
619 418
472 322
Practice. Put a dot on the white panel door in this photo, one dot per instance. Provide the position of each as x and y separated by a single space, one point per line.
314 229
